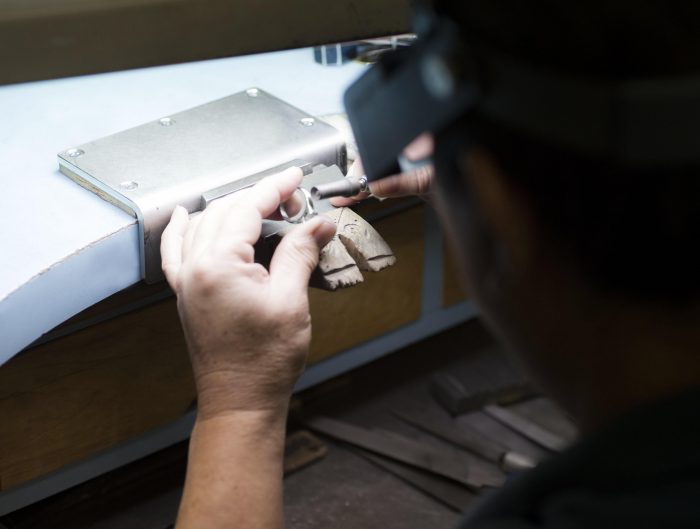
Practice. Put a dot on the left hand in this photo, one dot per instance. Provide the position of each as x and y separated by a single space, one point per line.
248 330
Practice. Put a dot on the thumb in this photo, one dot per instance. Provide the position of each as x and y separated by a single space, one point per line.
297 255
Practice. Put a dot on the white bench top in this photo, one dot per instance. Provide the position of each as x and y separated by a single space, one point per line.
63 249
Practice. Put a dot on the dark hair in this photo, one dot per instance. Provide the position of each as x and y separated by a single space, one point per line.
632 231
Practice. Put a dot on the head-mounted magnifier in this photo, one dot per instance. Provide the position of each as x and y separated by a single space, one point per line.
441 78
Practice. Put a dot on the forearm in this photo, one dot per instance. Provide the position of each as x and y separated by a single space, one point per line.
234 473
248 330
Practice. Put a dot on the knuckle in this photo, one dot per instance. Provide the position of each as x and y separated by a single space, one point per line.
379 187
247 211
202 276
295 315
216 205
424 177
245 251
258 272
238 249
169 270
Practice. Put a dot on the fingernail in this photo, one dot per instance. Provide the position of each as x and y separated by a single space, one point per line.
324 232
296 171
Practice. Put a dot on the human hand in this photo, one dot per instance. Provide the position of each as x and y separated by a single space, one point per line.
417 182
247 329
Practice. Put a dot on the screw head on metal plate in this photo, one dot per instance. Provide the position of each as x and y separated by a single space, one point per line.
129 185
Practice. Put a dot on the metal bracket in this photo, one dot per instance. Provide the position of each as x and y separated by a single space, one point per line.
198 155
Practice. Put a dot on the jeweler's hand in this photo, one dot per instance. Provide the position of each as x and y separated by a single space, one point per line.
412 183
247 329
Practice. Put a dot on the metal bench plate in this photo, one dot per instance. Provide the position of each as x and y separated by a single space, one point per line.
150 169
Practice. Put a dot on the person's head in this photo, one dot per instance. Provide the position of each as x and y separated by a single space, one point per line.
575 260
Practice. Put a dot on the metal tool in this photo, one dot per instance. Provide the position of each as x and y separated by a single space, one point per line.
403 449
453 495
527 428
470 440
351 186
347 187
301 206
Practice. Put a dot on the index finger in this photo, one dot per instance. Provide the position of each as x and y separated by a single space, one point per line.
251 204
239 223
171 244
267 195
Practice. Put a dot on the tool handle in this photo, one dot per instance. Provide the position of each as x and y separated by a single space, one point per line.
347 187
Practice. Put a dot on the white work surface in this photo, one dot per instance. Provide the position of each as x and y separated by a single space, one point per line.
63 249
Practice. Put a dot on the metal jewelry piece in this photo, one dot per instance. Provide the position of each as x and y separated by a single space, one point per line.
306 212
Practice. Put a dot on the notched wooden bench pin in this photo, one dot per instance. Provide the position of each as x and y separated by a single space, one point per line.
357 247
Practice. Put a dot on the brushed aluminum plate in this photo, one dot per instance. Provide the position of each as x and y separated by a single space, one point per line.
226 144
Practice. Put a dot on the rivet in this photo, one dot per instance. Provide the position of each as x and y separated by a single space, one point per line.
166 122
307 122
74 153
129 185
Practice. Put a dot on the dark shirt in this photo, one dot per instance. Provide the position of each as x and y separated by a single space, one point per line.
641 472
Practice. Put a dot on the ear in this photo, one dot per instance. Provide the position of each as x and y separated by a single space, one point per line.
506 211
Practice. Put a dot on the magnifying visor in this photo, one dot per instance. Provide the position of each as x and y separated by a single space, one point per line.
443 77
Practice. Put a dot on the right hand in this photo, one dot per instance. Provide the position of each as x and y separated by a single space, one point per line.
418 182
248 329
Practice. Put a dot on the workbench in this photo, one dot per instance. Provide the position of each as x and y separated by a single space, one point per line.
64 244
113 383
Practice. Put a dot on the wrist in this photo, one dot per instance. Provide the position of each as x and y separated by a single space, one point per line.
223 395
259 431
253 423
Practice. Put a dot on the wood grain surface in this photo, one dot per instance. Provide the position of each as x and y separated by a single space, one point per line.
385 301
83 393
42 39
452 289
